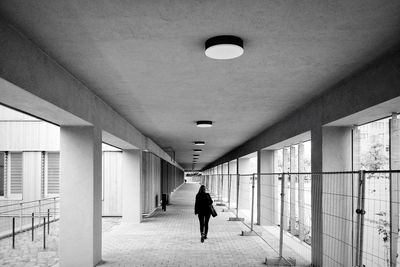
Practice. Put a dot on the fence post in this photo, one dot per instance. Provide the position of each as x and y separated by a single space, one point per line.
44 232
20 217
252 204
237 194
360 217
282 215
13 232
33 226
48 221
40 210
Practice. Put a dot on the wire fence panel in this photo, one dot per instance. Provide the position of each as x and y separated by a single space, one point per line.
376 228
270 208
338 205
360 213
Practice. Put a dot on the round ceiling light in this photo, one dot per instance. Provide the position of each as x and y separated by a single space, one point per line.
224 47
199 143
204 124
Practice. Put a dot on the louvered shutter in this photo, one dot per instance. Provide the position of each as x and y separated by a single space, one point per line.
53 173
2 173
16 173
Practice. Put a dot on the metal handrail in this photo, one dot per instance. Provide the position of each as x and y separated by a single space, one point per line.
304 173
21 204
26 202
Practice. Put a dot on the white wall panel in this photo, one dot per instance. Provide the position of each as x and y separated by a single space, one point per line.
112 187
29 136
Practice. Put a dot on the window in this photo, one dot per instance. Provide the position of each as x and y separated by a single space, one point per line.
2 174
53 173
15 174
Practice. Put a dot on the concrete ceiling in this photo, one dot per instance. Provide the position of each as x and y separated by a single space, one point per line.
146 59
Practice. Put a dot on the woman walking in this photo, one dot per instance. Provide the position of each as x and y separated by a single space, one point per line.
202 209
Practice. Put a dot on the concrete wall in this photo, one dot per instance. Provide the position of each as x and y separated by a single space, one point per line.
268 198
112 184
151 182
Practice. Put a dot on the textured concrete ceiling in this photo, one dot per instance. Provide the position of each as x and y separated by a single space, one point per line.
146 59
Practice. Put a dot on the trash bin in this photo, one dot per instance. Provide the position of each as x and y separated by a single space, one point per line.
164 202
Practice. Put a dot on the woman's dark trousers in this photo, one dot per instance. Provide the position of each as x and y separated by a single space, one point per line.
203 219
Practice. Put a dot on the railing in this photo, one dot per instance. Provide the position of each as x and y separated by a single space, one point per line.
16 218
360 212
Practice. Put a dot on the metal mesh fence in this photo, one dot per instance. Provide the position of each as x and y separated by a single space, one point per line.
360 213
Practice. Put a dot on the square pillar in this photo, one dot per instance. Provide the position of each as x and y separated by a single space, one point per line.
267 188
225 182
286 199
301 202
131 181
244 184
293 181
337 204
316 198
234 184
80 196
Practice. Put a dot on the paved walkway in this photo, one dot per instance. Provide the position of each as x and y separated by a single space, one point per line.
172 238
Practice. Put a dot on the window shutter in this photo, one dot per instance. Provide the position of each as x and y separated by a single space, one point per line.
53 173
16 173
2 173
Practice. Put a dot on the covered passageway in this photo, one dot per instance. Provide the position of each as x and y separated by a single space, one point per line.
287 111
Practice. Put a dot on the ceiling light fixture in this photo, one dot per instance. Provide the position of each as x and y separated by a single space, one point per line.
204 124
197 150
199 143
224 47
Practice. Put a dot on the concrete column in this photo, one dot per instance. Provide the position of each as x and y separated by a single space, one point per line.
394 188
233 172
245 185
267 188
80 196
316 198
356 149
225 182
293 181
336 157
131 176
219 175
258 186
301 203
286 201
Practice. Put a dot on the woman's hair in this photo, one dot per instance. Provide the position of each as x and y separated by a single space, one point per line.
202 189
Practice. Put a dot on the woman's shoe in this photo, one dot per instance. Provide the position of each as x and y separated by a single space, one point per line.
205 236
202 238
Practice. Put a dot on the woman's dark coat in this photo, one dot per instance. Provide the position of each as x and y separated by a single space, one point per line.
202 205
